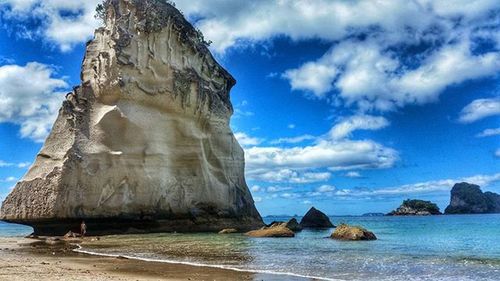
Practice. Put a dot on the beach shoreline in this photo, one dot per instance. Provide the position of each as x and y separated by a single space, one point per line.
29 259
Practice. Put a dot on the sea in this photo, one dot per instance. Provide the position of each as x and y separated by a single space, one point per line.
451 247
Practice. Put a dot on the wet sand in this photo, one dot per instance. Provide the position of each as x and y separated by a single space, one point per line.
29 259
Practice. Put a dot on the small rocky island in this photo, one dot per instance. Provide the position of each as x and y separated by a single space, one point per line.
416 207
144 143
468 198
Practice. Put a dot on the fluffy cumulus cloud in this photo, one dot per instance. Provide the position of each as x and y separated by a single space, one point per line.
246 140
344 128
373 77
299 163
384 55
63 23
29 97
288 175
479 109
341 155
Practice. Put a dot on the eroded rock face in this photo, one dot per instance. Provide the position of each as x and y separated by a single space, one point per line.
144 143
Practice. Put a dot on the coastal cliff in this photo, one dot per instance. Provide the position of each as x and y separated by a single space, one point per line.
469 199
144 143
416 208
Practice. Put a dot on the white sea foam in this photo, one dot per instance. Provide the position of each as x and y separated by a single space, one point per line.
80 249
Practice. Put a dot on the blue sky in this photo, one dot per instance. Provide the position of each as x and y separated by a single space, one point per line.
350 106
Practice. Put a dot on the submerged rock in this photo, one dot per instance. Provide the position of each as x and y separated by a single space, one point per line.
144 143
315 219
416 208
346 232
275 230
469 199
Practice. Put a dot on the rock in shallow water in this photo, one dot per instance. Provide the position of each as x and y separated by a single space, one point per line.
315 219
144 143
346 232
276 230
292 224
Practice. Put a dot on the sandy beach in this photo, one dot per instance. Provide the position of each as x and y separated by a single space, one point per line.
29 259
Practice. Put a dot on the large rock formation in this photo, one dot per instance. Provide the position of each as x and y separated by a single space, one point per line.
469 199
416 207
314 218
144 143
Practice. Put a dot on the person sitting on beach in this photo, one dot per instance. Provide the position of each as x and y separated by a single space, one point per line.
83 228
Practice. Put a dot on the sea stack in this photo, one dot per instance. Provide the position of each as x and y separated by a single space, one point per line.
314 218
144 143
468 198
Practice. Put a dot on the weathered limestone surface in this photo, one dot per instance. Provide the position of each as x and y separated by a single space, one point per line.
144 143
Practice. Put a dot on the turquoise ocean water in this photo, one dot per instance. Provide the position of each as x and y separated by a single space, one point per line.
462 247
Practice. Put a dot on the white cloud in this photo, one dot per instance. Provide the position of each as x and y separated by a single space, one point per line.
371 73
371 76
294 140
347 154
291 126
313 77
479 109
489 133
64 23
325 188
232 23
333 151
246 140
429 187
257 199
29 98
288 175
255 188
497 153
273 189
21 165
9 179
344 128
353 174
